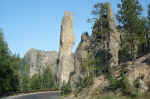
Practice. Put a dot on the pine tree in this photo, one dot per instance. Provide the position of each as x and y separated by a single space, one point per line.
144 46
148 29
9 66
5 70
101 30
149 13
100 37
101 25
129 18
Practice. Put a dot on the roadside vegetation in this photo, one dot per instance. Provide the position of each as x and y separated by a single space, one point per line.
40 81
12 80
9 68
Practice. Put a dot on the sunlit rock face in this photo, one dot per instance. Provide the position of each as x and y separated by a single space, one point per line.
67 39
106 50
81 51
114 44
36 61
79 55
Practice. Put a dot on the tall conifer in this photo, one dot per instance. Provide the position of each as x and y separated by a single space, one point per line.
129 20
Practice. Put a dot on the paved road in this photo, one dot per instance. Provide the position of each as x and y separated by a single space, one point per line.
42 95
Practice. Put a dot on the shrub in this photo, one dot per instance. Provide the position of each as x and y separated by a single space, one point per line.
114 84
87 81
66 88
126 87
83 83
35 82
96 93
137 83
115 97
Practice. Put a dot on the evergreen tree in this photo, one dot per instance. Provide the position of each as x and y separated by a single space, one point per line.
101 37
149 13
5 70
9 66
144 47
146 22
101 25
48 80
133 30
148 29
24 77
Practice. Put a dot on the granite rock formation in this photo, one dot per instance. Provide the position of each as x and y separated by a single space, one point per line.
114 43
67 40
79 54
37 60
81 51
105 50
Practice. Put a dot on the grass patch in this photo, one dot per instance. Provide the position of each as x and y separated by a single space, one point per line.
115 97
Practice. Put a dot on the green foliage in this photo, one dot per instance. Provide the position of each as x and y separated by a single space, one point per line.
143 96
24 77
130 22
89 67
25 82
101 33
124 55
66 88
116 97
9 68
148 12
114 83
122 84
35 83
85 82
101 25
40 81
137 83
125 85
48 79
96 93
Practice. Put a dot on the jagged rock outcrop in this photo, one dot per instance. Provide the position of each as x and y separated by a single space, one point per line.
114 44
104 46
81 51
67 40
37 60
79 54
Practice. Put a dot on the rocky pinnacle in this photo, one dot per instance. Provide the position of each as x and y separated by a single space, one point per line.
65 58
114 37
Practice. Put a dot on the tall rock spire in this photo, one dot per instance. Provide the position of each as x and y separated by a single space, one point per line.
114 44
67 40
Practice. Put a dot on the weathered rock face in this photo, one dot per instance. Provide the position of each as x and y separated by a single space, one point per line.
81 51
114 44
104 46
140 67
38 60
67 39
79 54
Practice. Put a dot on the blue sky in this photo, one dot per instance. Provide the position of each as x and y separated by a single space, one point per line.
36 23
